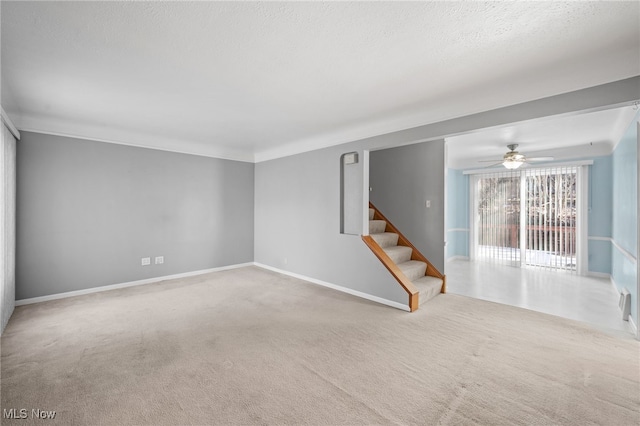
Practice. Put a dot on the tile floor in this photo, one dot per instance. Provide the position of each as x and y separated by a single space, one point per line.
587 299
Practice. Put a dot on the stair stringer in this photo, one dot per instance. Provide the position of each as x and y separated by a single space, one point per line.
402 279
407 285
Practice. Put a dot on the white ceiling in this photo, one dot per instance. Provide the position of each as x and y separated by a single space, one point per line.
253 81
566 137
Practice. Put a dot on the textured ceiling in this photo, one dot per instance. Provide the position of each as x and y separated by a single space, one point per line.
249 81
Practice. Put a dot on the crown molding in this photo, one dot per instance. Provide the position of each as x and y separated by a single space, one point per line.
383 133
244 159
47 126
7 121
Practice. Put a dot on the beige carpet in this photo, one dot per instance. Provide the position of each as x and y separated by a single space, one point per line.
249 346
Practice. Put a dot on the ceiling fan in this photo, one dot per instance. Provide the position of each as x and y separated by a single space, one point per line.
513 159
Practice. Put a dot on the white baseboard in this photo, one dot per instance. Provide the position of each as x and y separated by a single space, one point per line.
336 287
633 326
606 276
457 258
598 274
125 285
614 285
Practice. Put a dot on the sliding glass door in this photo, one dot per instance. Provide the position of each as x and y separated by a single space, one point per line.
528 217
551 217
498 217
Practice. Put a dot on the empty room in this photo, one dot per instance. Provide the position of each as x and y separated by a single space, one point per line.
319 213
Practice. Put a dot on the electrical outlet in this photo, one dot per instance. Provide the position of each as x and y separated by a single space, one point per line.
159 260
428 204
146 261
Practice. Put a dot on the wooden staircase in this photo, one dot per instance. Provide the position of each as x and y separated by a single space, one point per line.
419 278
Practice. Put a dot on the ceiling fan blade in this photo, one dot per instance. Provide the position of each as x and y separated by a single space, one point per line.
493 165
540 159
490 161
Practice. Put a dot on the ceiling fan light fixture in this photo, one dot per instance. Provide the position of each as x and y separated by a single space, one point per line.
513 160
512 164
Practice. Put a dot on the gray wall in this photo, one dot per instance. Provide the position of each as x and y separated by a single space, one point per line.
297 224
402 179
89 211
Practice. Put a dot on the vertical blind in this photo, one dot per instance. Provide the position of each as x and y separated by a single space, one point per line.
528 217
499 217
550 217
